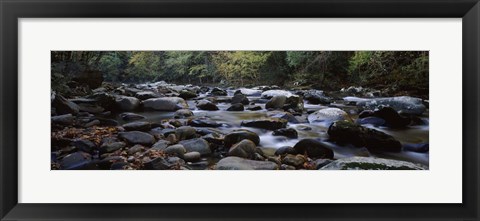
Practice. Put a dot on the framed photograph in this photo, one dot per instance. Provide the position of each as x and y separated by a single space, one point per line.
254 110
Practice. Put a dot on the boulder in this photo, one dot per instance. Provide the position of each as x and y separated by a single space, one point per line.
236 107
283 115
391 117
161 145
375 121
239 135
344 132
240 98
272 93
285 150
75 161
84 145
276 102
192 156
183 113
237 163
203 123
250 92
131 116
137 137
244 149
327 115
66 119
90 108
206 105
185 132
403 104
186 94
177 150
266 123
125 103
137 125
63 106
313 149
218 92
317 97
287 132
165 104
197 145
294 160
370 163
158 163
144 95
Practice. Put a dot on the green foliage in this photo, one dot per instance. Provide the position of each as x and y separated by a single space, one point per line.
240 67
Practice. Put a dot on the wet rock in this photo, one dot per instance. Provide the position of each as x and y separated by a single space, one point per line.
391 117
236 107
165 104
319 163
84 145
294 103
244 149
203 123
218 92
285 150
92 123
272 93
403 104
90 108
254 108
240 98
192 156
119 166
197 145
111 147
144 95
161 145
344 132
327 115
239 135
287 167
294 160
204 89
267 123
183 113
76 161
176 162
137 125
185 132
206 105
172 138
131 116
158 163
63 106
185 94
135 149
419 148
250 92
125 103
177 150
375 121
370 163
137 137
66 119
283 115
106 100
287 132
317 97
276 102
237 163
313 149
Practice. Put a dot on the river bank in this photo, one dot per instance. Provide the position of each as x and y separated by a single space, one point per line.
166 126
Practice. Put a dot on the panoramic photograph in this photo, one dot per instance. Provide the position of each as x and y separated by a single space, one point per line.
239 110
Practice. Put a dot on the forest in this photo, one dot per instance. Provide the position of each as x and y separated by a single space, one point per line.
239 110
326 70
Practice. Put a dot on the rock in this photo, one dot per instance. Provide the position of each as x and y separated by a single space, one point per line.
137 125
218 92
327 115
106 100
204 89
250 92
240 98
236 107
294 160
239 135
90 108
244 149
165 104
266 123
370 163
183 113
283 115
131 116
317 97
176 162
419 148
294 103
66 119
185 132
206 105
287 132
276 102
391 117
192 156
177 150
344 132
313 149
185 94
203 123
125 103
144 95
135 149
254 108
319 163
84 145
237 163
287 167
111 147
403 104
137 137
92 78
161 145
76 161
158 163
172 138
272 93
285 150
197 145
375 121
92 123
63 106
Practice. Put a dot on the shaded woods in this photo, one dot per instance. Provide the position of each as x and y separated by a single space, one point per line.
398 71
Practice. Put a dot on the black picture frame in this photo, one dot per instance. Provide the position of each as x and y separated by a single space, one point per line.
12 10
